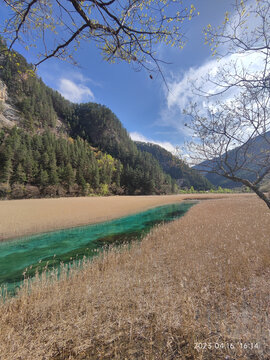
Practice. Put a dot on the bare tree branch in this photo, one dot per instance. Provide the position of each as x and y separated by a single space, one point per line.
128 30
233 137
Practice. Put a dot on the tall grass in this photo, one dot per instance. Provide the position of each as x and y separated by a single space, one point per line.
199 282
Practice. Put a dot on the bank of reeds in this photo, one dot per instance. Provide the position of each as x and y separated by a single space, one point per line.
197 288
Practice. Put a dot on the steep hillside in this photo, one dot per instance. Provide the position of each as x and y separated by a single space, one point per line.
175 167
46 165
26 102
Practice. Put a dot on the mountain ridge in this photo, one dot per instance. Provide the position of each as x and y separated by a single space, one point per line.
254 148
39 111
175 167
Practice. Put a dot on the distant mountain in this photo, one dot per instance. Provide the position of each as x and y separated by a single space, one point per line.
257 146
175 167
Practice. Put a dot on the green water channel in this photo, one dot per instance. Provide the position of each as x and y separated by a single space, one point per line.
64 246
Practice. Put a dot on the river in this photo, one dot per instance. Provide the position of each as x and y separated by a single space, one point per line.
25 256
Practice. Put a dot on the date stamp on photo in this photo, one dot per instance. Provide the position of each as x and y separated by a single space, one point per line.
199 346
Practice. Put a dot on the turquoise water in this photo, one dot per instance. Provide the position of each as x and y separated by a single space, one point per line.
50 249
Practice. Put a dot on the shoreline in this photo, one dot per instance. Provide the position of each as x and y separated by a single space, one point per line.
27 217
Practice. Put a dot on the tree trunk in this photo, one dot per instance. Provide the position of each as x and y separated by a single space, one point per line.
258 192
252 187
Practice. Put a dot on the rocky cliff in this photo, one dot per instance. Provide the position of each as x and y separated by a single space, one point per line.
9 116
3 92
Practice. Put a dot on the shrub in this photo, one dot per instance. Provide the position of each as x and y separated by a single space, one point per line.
75 190
31 191
50 191
4 190
17 191
61 191
104 189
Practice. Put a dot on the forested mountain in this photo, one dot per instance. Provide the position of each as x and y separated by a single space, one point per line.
175 167
47 165
141 173
50 146
237 156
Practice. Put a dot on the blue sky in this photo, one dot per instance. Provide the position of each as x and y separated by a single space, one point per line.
145 107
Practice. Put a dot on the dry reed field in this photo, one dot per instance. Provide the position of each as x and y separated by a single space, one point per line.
196 288
32 216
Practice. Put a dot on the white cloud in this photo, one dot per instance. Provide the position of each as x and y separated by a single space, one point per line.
79 77
165 144
75 91
138 137
184 90
182 87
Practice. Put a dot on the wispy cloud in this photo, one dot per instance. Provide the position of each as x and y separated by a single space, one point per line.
183 89
79 77
165 144
183 86
75 91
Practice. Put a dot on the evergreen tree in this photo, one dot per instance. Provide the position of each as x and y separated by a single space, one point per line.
44 178
53 175
95 179
6 169
69 176
19 175
28 161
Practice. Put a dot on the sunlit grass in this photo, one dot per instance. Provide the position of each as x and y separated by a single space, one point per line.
201 279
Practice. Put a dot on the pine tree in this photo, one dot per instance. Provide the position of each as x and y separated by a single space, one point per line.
44 178
118 172
69 176
6 170
19 175
29 167
81 180
45 160
53 175
95 180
